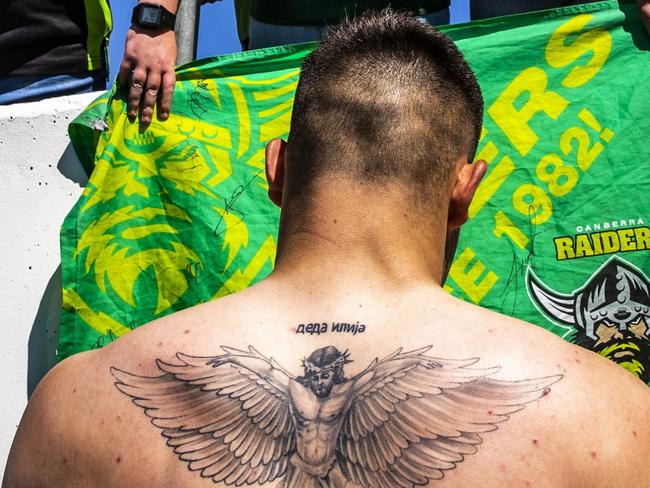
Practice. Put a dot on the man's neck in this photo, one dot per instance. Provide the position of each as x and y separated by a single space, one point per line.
366 236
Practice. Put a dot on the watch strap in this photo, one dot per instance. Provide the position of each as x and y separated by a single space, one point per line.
166 19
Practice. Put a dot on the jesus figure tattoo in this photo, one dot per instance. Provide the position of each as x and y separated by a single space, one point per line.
241 418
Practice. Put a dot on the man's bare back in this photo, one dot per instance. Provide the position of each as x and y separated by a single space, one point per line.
349 366
489 412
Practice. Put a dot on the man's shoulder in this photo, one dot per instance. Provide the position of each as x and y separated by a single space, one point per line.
597 411
590 418
585 374
605 415
50 436
77 430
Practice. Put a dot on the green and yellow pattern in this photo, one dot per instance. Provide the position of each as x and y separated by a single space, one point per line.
178 214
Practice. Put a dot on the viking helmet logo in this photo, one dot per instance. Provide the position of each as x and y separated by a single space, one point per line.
610 313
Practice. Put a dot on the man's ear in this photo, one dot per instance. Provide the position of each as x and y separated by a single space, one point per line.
275 158
469 177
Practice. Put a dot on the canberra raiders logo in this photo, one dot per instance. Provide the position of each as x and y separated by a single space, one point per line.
610 314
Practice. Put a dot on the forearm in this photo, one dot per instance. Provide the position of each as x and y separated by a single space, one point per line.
147 68
263 367
269 372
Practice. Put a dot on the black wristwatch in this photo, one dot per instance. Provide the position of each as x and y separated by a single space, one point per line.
152 16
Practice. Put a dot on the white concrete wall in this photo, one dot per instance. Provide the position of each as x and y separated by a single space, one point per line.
40 182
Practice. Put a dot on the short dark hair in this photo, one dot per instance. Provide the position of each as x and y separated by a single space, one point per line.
385 97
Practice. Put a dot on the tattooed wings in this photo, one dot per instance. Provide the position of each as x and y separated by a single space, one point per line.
219 415
408 418
414 416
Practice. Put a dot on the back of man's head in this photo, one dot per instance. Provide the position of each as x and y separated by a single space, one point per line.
385 98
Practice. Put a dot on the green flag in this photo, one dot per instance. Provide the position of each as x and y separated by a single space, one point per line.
558 234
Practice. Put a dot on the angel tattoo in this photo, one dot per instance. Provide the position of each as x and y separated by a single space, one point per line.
241 418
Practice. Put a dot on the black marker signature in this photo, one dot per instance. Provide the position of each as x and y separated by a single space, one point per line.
104 340
518 266
229 205
110 337
198 98
191 156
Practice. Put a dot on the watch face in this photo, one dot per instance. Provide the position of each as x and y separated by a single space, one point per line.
150 15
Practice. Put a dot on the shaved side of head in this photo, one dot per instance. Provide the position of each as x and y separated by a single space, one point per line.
385 98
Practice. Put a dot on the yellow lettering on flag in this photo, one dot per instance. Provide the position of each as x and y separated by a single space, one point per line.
532 82
503 225
491 184
561 50
468 281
